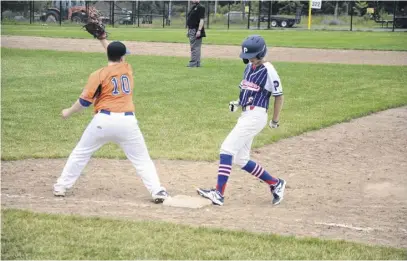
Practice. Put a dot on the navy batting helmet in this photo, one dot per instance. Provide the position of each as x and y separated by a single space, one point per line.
253 46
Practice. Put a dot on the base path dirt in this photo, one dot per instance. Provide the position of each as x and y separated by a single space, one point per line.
347 182
212 51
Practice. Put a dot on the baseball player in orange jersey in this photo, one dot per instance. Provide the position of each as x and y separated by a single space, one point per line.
110 90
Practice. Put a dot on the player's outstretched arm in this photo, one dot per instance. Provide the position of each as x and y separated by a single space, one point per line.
76 107
104 42
86 97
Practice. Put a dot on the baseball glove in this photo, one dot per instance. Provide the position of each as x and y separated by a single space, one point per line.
96 29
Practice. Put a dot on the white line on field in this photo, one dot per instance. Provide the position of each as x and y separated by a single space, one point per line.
367 229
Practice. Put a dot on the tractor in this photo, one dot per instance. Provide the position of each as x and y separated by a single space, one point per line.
69 10
400 18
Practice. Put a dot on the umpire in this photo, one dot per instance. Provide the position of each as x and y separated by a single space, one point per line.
196 31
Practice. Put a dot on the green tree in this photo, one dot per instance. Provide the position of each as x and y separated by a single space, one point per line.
360 8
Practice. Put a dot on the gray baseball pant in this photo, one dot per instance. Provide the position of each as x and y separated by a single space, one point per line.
196 45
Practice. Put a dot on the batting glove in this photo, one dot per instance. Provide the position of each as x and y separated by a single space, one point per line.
234 106
274 124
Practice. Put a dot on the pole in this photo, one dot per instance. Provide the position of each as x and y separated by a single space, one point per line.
138 13
394 14
112 3
60 13
228 14
186 13
87 8
169 10
110 12
207 24
31 11
163 14
258 15
309 15
269 16
351 16
133 11
32 14
248 15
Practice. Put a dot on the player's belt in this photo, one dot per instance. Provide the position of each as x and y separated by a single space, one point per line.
253 108
108 112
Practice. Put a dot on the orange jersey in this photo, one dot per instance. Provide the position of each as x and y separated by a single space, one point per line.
110 88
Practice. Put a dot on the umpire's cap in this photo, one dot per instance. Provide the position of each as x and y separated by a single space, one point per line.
117 49
253 46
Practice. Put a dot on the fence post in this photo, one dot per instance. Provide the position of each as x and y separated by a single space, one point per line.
138 13
112 3
33 8
163 13
269 15
351 16
258 16
60 13
228 14
133 11
169 13
87 8
394 14
31 11
248 15
110 12
207 24
186 15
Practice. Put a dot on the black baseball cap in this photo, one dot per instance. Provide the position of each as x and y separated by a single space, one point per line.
117 49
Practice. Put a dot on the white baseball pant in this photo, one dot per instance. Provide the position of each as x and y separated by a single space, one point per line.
118 128
239 141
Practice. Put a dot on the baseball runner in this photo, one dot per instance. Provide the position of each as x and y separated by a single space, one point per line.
260 82
110 90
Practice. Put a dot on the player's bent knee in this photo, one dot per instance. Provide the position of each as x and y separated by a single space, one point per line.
241 162
227 150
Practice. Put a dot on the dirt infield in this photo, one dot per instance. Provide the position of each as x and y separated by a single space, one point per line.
213 51
344 182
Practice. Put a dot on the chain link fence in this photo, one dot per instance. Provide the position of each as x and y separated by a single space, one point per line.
290 15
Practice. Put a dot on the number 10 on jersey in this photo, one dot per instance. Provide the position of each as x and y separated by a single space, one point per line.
124 84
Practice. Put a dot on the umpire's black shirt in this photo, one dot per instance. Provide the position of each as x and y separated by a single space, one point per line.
196 13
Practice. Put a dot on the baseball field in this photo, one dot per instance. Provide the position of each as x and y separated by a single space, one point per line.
341 147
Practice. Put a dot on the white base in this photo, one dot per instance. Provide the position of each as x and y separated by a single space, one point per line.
183 201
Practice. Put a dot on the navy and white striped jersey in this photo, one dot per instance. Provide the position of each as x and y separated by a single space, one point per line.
258 84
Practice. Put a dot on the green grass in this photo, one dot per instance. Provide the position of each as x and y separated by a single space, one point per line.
287 38
27 235
182 112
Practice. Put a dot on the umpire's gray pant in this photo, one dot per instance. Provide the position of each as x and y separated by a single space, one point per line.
196 45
